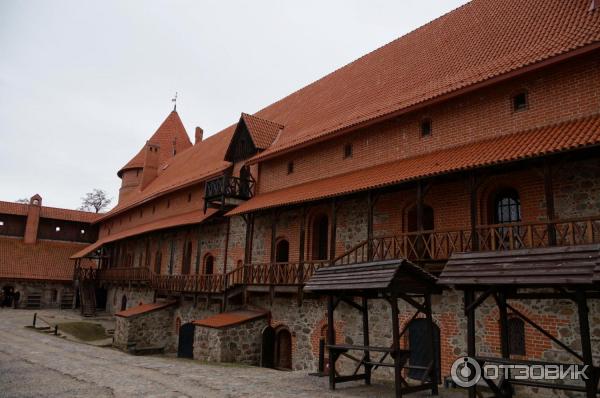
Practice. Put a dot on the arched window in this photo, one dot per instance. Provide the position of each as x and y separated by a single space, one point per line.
516 335
319 237
123 303
157 262
506 207
209 263
282 251
187 258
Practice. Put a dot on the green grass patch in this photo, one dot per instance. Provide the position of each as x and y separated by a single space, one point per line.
85 331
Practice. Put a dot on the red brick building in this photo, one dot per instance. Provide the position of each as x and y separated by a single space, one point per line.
476 132
36 243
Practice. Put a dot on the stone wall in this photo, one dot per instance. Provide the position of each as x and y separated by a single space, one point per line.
50 293
148 330
134 296
239 343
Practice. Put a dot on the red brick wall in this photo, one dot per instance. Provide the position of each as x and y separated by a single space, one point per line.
558 93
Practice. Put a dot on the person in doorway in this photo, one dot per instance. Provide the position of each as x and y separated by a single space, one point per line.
1 298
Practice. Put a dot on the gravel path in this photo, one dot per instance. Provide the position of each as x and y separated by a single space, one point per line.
33 364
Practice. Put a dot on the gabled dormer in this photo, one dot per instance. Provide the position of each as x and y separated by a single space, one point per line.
252 135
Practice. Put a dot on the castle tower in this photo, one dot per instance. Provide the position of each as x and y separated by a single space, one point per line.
170 139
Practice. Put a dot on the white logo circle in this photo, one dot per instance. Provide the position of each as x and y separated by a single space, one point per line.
465 372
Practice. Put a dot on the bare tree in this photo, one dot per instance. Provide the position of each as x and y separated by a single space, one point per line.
95 201
22 200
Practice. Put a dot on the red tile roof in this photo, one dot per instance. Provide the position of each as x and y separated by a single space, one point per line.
194 165
171 130
144 309
20 209
194 217
228 319
511 147
263 132
480 41
44 260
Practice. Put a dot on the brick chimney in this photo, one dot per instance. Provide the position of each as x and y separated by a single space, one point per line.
33 219
199 134
150 170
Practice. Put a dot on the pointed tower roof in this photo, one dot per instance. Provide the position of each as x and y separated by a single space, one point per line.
170 131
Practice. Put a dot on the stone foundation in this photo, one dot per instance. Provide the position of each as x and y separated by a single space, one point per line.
50 293
147 330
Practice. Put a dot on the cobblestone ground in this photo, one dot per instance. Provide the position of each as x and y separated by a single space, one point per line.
33 364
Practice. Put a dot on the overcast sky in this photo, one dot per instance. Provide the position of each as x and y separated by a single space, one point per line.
83 84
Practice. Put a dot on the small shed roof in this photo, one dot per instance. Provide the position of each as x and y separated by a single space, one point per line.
551 266
371 278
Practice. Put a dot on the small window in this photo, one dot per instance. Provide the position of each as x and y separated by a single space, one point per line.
153 209
516 333
57 229
290 167
141 213
82 232
168 203
189 197
519 101
426 128
347 151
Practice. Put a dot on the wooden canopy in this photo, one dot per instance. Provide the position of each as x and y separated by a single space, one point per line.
550 266
372 279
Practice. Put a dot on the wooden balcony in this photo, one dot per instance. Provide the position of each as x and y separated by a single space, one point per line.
276 274
125 274
227 191
438 245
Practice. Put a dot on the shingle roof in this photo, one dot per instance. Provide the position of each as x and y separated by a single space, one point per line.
170 131
542 267
232 318
479 41
194 217
44 260
263 132
144 309
511 147
20 209
200 162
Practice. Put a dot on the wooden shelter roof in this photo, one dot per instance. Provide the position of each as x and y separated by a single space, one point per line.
374 277
551 266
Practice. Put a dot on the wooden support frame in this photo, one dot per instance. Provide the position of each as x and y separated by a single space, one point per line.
505 388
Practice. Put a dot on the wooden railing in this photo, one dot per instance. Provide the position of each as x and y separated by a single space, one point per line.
440 244
125 274
229 187
85 274
291 274
213 283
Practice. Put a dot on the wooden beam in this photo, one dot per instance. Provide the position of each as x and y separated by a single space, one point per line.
331 341
273 234
367 355
504 334
370 208
473 210
396 347
591 383
471 350
333 231
549 197
434 370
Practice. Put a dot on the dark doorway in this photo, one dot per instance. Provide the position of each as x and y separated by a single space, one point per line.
267 349
123 303
420 348
428 224
185 349
283 349
209 264
8 296
319 242
282 251
101 297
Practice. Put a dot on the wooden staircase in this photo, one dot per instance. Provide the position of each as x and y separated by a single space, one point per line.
87 293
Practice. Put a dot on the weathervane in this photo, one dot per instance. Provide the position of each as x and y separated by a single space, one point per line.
174 101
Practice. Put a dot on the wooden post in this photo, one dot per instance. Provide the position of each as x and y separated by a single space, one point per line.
504 337
331 341
471 351
333 232
549 196
473 208
431 336
226 246
370 206
301 249
273 256
365 319
396 346
591 384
